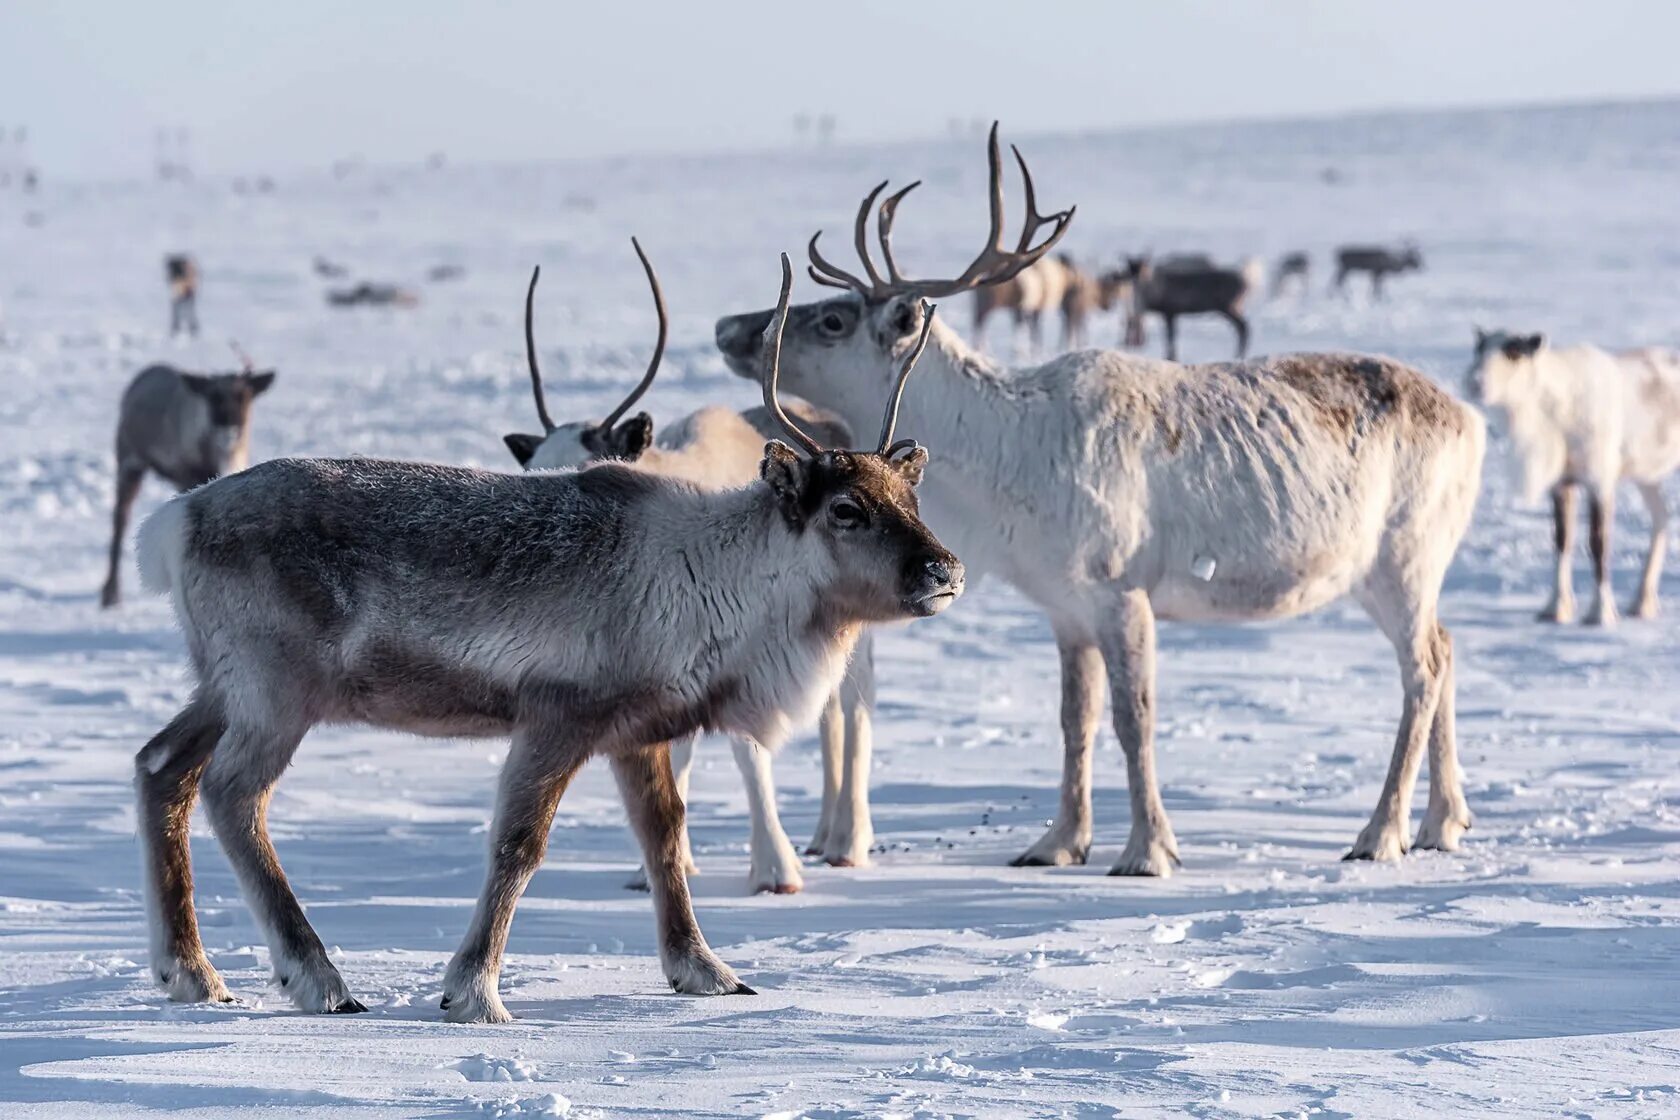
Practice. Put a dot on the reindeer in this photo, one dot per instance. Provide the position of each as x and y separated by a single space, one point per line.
1112 490
366 294
1580 417
1188 284
181 272
1291 266
1377 260
186 427
605 611
1085 294
719 449
1028 294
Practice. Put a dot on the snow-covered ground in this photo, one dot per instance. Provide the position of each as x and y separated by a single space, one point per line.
1536 973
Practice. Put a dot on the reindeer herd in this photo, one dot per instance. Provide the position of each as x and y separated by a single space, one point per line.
627 591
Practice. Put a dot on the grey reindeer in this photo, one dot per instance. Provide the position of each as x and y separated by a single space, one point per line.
1378 261
1187 284
187 428
719 448
603 611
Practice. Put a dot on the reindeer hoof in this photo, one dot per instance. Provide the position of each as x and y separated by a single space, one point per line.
351 1006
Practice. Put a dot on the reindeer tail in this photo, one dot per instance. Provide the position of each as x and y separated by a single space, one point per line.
161 545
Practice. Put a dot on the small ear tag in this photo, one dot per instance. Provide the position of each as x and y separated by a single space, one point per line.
1202 567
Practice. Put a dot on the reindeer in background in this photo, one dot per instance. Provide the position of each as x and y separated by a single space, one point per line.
1188 284
1378 261
187 428
181 273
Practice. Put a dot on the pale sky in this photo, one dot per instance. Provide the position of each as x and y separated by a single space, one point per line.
297 83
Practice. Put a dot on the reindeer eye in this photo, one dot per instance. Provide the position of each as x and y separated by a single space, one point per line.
846 513
833 323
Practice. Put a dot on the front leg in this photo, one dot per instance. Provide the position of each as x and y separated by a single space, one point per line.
774 865
1601 507
536 773
831 729
1562 606
1068 839
1128 644
656 813
1645 604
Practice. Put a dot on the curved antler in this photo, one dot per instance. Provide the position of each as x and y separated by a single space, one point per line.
772 368
890 421
995 263
658 347
531 353
239 352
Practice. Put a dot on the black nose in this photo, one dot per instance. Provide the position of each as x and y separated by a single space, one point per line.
738 335
942 572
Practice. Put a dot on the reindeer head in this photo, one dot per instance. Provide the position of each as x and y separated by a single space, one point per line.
573 444
228 397
846 351
859 507
1500 364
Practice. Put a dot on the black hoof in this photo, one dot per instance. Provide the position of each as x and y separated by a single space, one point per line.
443 1004
350 1006
742 990
1029 861
1353 858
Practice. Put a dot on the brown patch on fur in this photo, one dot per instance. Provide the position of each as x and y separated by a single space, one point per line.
1353 395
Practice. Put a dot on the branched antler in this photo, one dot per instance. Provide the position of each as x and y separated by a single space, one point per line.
994 264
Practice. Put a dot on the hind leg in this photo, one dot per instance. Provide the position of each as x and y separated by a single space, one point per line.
129 476
1068 839
1240 324
1645 605
1128 647
237 786
1448 816
1407 616
166 778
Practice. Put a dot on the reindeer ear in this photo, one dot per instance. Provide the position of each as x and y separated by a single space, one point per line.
260 382
784 470
632 437
912 464
522 446
1481 336
903 317
1535 343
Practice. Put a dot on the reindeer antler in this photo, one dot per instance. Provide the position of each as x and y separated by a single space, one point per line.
239 352
772 368
658 346
994 264
653 364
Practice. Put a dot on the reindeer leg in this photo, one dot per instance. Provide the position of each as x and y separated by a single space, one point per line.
656 813
682 768
1645 606
832 730
1128 644
1425 654
1448 816
1171 322
129 476
1241 325
851 832
1068 839
166 778
774 865
1562 606
1601 509
539 767
237 785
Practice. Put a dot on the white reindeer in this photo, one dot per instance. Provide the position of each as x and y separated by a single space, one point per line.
1580 417
1113 490
605 611
719 449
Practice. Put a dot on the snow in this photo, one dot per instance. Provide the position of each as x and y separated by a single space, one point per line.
1535 973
